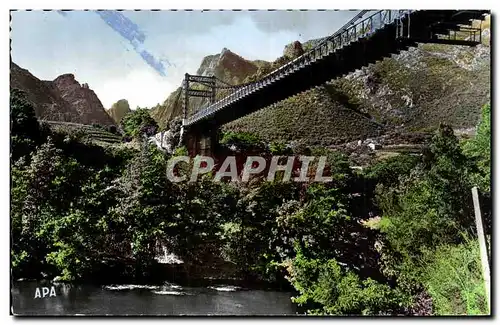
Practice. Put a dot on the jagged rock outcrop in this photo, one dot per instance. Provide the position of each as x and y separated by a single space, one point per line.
118 110
63 99
293 50
88 107
44 96
420 88
170 139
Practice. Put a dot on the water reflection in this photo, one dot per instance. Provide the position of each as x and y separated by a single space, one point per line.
168 299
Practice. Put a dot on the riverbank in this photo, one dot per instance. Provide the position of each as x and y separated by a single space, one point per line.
119 273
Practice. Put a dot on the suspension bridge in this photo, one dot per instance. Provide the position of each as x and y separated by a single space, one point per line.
368 37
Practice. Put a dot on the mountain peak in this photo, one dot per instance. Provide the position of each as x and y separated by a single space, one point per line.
66 78
118 110
62 99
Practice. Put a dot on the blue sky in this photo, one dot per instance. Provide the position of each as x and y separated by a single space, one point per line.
142 56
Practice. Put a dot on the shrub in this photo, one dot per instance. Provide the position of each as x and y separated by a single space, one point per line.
326 287
138 122
242 140
454 279
24 128
478 149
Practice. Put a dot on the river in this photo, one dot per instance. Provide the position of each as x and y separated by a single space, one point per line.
167 299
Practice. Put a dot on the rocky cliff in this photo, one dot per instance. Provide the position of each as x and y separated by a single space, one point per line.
87 106
44 96
63 99
118 110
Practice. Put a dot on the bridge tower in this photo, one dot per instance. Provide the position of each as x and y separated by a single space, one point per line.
201 139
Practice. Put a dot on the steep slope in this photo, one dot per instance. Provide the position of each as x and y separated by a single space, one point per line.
418 89
118 110
63 99
88 107
44 96
310 118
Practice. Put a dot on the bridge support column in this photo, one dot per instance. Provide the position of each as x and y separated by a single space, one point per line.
201 140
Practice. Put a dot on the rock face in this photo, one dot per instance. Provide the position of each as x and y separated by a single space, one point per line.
412 92
63 99
44 96
293 50
88 107
118 110
227 66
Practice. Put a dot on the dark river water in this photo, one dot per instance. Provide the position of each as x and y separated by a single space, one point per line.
167 299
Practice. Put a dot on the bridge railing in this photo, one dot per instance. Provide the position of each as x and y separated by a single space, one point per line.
363 29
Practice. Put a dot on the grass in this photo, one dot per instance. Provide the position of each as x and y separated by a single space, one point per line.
455 282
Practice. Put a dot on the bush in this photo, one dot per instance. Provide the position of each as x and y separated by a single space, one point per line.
326 287
388 171
242 140
454 279
478 149
432 204
138 122
280 148
24 128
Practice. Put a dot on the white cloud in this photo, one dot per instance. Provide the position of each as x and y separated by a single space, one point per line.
142 87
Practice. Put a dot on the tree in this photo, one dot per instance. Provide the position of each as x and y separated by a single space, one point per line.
429 207
41 191
326 287
24 128
139 122
478 149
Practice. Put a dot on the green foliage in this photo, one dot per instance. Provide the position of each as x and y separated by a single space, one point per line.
388 171
254 241
22 115
41 190
337 165
242 140
138 122
423 217
431 205
280 148
326 287
479 150
180 151
454 279
76 207
24 127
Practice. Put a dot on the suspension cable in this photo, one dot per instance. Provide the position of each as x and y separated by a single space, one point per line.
351 22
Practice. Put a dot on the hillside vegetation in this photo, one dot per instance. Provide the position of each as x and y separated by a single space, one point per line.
396 238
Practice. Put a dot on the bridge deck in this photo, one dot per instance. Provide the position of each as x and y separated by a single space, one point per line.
379 35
